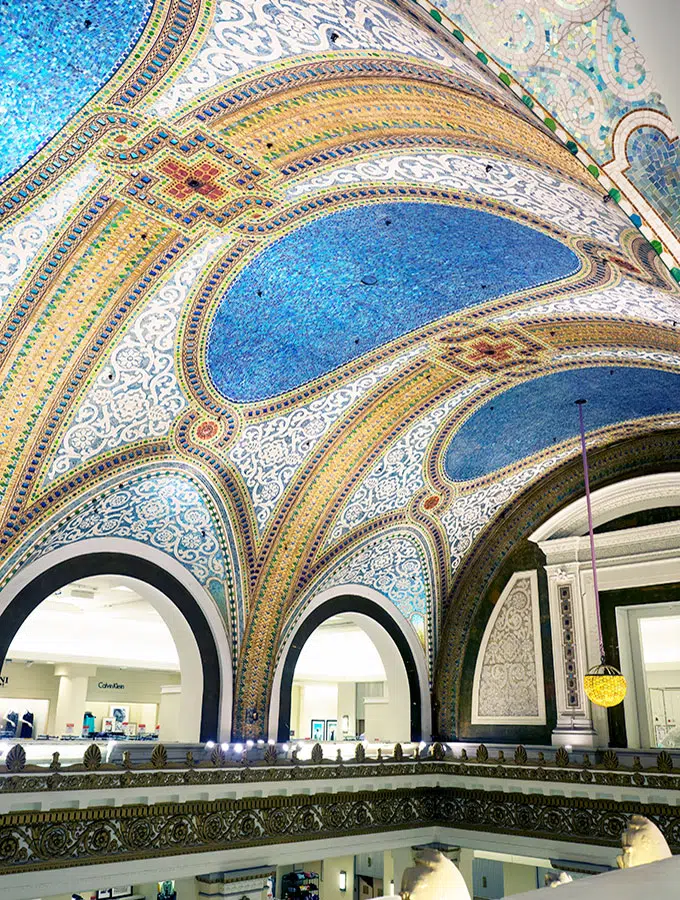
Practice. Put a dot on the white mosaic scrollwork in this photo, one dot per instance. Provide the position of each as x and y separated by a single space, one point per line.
136 394
577 58
164 511
574 209
469 514
398 475
621 355
22 241
250 33
508 680
394 565
268 454
628 298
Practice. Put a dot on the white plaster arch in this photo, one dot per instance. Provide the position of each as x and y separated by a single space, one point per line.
416 648
632 557
610 502
187 647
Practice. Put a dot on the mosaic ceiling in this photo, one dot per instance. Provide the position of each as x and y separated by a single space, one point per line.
302 297
580 60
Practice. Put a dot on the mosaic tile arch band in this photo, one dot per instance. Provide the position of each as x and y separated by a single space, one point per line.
173 511
181 295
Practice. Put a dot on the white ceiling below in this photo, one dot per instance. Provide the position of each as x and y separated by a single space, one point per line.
661 641
96 621
339 651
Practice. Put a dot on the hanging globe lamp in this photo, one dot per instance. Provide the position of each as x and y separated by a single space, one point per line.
604 685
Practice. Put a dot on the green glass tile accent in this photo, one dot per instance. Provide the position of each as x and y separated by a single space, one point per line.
527 101
459 35
436 15
675 272
550 123
572 147
615 194
481 55
505 78
658 246
592 168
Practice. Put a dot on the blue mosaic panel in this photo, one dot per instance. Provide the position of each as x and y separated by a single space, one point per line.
340 286
655 171
539 413
53 57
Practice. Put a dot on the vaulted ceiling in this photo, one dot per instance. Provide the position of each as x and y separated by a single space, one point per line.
302 294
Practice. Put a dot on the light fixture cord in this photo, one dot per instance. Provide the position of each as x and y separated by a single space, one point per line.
590 527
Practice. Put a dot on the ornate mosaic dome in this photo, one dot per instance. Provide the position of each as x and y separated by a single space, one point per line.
301 295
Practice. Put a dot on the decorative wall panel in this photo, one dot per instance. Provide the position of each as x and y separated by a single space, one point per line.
508 682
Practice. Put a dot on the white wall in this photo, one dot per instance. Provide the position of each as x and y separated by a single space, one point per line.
391 720
518 878
663 678
317 701
329 887
347 706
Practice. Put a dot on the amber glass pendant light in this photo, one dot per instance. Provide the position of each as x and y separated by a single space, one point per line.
604 685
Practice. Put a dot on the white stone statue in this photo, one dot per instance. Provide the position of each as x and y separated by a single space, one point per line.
433 877
561 878
642 843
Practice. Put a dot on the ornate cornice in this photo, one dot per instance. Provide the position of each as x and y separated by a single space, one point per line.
32 841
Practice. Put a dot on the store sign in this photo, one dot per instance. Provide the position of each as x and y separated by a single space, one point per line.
110 686
4 680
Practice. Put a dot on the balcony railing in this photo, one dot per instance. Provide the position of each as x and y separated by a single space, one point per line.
120 765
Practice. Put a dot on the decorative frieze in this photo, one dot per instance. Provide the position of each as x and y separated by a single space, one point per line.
32 841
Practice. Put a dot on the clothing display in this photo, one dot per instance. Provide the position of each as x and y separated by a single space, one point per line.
25 727
300 886
89 723
9 725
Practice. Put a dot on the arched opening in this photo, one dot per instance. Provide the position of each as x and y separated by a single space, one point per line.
637 548
120 637
350 672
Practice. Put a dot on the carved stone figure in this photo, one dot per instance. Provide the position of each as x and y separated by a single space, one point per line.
557 880
642 843
433 877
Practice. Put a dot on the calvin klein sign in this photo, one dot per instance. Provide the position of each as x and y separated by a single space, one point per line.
110 686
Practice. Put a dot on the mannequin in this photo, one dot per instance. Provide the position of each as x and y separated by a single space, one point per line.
167 891
11 721
26 725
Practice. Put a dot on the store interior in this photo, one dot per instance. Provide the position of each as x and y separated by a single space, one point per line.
350 683
93 659
660 639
